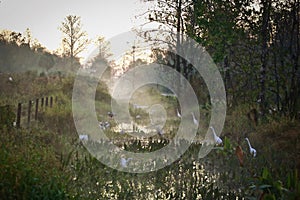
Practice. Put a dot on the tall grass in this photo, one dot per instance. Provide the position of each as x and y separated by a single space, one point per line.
49 162
28 166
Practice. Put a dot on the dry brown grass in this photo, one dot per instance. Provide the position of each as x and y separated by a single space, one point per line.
281 138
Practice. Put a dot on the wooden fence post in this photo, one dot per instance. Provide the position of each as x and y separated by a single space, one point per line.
29 113
51 101
36 109
42 103
19 112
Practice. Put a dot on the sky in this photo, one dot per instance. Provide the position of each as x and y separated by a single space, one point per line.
43 17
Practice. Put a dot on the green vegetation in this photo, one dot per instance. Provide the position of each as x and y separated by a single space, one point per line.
29 168
256 48
49 161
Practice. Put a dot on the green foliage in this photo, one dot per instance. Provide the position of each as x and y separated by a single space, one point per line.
59 117
231 32
7 116
102 93
228 147
75 174
270 188
25 170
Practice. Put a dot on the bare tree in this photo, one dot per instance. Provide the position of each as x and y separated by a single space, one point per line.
74 38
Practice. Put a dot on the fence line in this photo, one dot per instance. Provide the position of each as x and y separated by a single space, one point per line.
39 106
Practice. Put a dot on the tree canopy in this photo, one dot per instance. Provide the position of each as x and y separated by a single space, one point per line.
254 43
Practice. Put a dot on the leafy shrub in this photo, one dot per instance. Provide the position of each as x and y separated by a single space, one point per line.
7 116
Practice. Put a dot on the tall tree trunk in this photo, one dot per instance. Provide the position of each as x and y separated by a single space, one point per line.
294 48
178 60
228 83
277 83
178 29
192 34
266 4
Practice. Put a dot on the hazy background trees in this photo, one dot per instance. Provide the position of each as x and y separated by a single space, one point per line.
21 53
254 43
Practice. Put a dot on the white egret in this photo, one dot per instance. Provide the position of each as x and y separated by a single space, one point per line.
138 117
194 119
136 106
101 125
107 124
84 137
178 114
217 139
104 125
160 132
124 161
251 149
10 78
110 114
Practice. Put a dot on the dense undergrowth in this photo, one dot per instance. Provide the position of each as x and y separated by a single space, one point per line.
48 161
37 164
